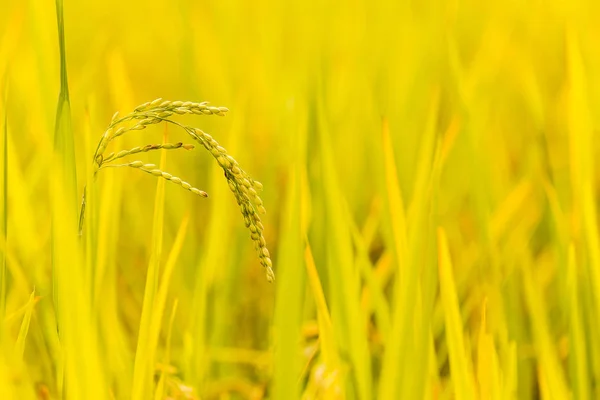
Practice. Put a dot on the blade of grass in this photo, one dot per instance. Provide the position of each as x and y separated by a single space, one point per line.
143 366
21 211
160 386
290 291
345 288
20 345
84 375
161 297
375 292
488 369
327 342
548 362
63 132
104 216
462 379
421 281
433 388
577 355
510 376
392 361
415 282
582 173
3 210
212 256
222 274
93 249
578 363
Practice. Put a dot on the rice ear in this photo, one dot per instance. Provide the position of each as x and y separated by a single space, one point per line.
243 187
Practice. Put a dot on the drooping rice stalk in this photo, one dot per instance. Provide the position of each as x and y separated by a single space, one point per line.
243 187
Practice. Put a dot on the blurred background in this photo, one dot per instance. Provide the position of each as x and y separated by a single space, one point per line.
430 183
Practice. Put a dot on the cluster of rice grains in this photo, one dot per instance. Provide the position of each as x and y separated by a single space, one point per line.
244 188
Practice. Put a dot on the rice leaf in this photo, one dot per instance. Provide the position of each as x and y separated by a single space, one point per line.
144 360
462 379
24 330
345 290
393 363
160 386
488 368
329 349
288 317
549 367
578 355
3 211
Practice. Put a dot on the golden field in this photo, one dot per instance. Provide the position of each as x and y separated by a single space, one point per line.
428 171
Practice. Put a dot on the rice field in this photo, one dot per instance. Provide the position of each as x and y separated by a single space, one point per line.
299 200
